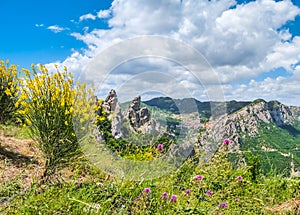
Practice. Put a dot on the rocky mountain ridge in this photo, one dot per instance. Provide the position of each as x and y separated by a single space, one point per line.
247 119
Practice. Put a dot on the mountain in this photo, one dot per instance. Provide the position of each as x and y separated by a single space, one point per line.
268 129
190 105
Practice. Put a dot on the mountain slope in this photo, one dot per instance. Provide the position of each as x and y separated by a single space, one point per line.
190 105
268 129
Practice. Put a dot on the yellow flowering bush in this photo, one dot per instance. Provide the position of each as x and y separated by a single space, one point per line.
46 104
8 90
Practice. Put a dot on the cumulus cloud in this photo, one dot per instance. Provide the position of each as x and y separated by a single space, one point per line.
56 29
239 41
102 14
87 16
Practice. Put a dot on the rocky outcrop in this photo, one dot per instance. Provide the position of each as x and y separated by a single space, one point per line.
112 106
140 118
247 120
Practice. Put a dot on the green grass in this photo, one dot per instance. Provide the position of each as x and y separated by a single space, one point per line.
91 191
11 130
107 195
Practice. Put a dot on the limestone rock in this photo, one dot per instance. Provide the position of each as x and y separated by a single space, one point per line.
112 106
140 118
247 120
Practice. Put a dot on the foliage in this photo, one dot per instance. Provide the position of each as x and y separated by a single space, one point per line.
135 146
214 188
271 144
9 90
46 104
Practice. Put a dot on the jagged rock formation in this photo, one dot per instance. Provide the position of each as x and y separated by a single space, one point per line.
111 101
247 120
140 118
112 106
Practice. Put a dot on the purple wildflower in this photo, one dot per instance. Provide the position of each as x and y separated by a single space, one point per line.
208 193
160 147
239 178
164 195
223 205
199 177
147 190
226 142
173 198
188 191
237 199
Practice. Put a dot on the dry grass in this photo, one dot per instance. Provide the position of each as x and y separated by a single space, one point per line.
290 207
19 158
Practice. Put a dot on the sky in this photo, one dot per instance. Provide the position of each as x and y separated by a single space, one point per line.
207 49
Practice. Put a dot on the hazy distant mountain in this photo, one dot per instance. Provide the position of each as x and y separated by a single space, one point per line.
189 105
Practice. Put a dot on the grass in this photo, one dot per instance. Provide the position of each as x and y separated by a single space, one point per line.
82 189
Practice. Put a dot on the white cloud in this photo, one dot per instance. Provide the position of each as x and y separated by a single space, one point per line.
56 28
240 42
39 25
87 16
102 14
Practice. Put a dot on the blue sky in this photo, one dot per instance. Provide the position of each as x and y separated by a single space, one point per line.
253 47
25 38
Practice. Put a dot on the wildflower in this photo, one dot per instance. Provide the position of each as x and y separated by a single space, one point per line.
173 198
96 206
223 205
188 191
164 195
226 142
237 199
208 193
147 190
160 147
239 178
199 177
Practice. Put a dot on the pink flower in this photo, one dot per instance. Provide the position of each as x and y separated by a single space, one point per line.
188 191
237 199
147 190
160 147
164 195
208 193
239 178
226 142
223 205
173 198
199 177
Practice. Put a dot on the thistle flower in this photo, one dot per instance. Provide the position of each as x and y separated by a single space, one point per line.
239 178
223 205
199 177
208 193
188 191
173 198
160 147
226 142
165 195
147 190
237 199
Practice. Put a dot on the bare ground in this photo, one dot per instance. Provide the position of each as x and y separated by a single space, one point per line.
19 158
